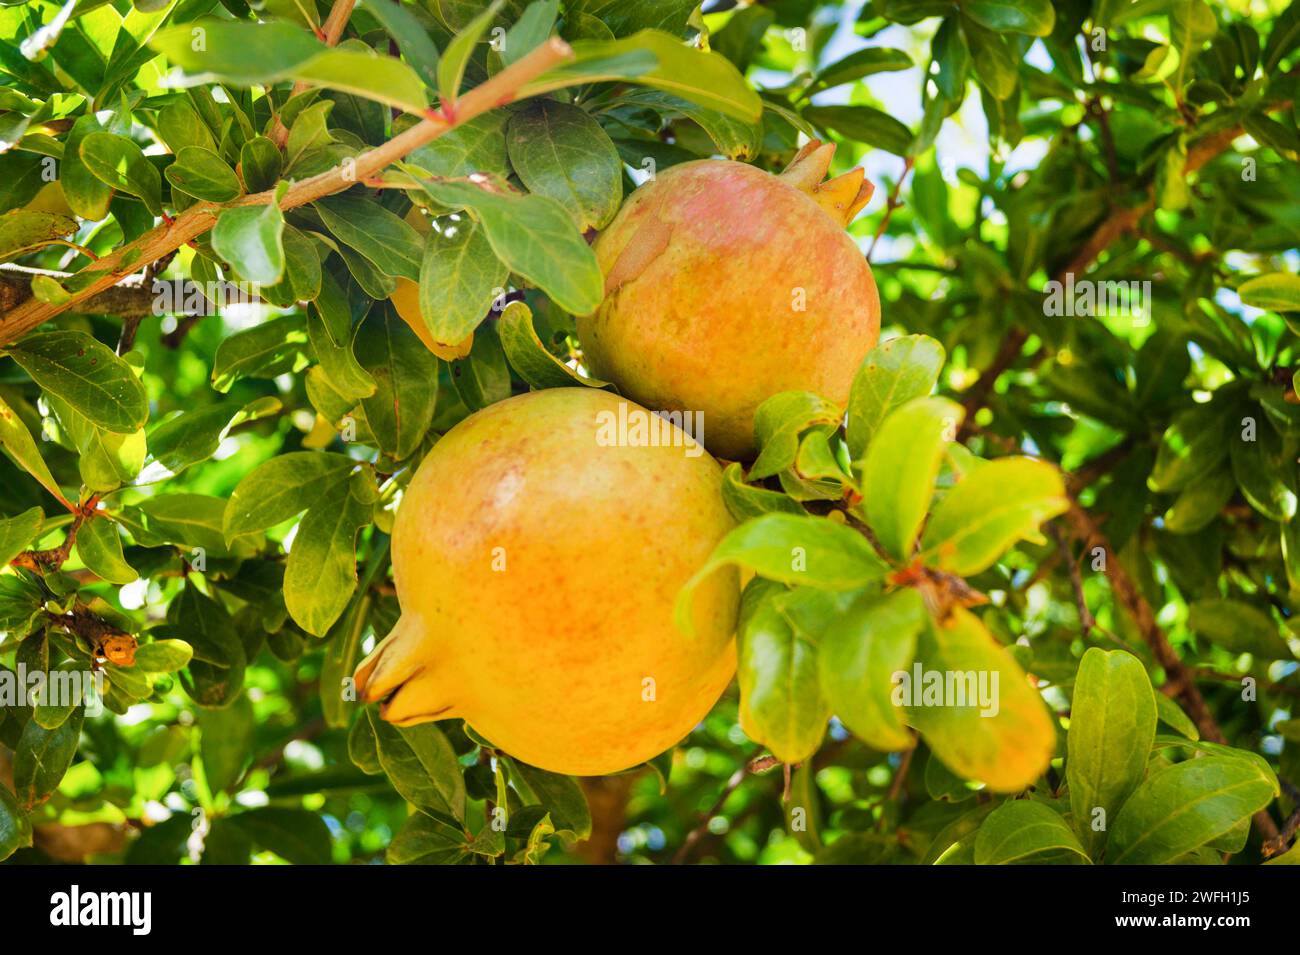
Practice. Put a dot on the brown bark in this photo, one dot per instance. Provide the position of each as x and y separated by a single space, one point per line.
607 796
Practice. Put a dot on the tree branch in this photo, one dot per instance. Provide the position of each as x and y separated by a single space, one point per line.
760 764
1119 222
332 31
46 561
892 203
1180 681
172 234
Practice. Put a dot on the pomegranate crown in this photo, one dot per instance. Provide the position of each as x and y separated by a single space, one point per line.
842 197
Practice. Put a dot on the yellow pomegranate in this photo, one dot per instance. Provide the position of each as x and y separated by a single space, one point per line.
537 554
725 284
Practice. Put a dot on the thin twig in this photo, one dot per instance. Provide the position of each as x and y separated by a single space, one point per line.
500 89
755 766
892 203
335 23
900 778
51 559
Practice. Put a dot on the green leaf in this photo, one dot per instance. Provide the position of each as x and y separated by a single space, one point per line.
19 445
262 54
193 436
1265 471
119 163
1186 805
1276 136
1237 627
778 424
343 650
1276 291
1172 715
25 230
107 460
859 656
266 350
43 756
322 570
163 656
994 58
534 237
426 841
422 766
653 58
203 174
795 550
560 796
1035 17
735 139
860 63
530 30
741 38
405 373
781 702
460 276
226 743
87 195
865 124
87 375
280 488
15 827
180 517
1194 443
1004 741
476 146
226 844
560 151
309 133
18 532
623 17
207 627
411 36
1112 725
745 500
892 374
388 242
338 360
816 460
250 239
1200 501
1282 39
900 468
451 68
100 548
299 836
529 357
56 702
20 601
1191 24
260 163
1023 832
482 378
953 58
363 746
179 125
989 510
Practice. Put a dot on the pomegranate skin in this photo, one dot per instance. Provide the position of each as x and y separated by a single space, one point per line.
725 285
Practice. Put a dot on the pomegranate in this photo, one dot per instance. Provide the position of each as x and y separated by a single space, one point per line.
725 285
